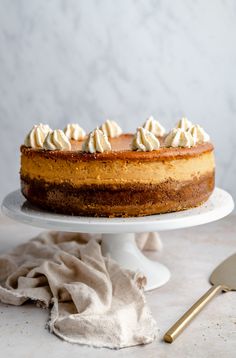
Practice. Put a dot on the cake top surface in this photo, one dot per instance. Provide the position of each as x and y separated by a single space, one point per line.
151 140
121 149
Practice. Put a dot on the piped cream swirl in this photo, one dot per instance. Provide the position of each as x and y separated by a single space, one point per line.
74 131
37 135
97 141
144 141
153 126
184 124
179 138
111 129
56 140
199 134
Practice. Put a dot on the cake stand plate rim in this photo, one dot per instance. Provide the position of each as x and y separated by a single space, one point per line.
219 205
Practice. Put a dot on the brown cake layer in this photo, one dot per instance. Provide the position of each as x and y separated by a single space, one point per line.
119 200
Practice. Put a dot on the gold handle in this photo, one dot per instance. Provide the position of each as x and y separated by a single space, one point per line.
182 323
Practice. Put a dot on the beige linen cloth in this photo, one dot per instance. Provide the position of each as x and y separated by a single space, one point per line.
93 300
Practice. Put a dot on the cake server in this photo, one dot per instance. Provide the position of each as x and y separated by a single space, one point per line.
223 279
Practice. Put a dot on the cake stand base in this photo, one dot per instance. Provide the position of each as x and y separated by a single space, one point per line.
118 240
123 249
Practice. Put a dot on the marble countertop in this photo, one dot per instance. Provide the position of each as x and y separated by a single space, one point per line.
191 255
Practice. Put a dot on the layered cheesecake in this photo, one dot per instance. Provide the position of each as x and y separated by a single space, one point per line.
107 173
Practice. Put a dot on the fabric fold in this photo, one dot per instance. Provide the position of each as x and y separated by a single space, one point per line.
93 300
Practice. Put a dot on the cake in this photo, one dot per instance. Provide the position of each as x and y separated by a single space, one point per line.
108 173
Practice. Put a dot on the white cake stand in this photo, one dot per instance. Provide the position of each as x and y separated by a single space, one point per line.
118 240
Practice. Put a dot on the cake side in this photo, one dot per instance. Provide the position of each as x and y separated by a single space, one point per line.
118 187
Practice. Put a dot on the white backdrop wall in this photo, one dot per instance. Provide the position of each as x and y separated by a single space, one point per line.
85 60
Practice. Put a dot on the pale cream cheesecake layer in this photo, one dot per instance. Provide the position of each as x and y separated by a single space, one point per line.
114 172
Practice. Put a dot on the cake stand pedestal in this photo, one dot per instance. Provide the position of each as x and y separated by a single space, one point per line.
118 239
